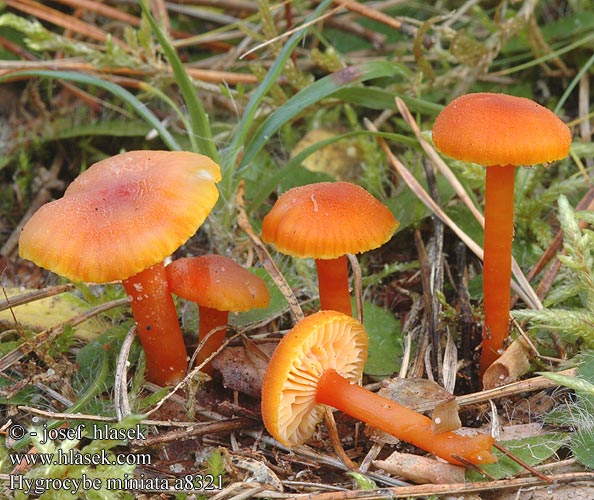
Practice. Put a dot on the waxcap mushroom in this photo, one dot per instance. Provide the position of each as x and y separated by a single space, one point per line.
319 362
326 220
499 129
217 282
318 342
218 285
122 215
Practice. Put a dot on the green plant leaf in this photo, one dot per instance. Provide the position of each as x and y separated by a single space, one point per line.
532 450
385 341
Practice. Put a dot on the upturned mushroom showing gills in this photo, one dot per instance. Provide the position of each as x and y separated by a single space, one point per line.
118 220
218 285
325 221
319 362
500 132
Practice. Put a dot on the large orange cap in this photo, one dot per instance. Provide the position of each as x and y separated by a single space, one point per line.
327 220
122 215
325 340
498 129
217 282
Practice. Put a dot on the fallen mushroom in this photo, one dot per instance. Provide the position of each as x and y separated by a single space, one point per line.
118 220
218 285
325 221
499 131
319 362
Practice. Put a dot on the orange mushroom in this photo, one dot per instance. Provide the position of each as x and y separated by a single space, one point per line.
319 362
218 286
499 131
118 220
325 221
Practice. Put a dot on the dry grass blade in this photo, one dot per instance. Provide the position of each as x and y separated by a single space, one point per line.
264 256
25 298
204 75
120 386
63 20
529 293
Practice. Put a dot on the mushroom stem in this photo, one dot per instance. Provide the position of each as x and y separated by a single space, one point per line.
158 327
400 421
209 320
499 229
333 283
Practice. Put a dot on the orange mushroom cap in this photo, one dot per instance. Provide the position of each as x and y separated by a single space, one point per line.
327 220
322 341
217 282
122 215
499 129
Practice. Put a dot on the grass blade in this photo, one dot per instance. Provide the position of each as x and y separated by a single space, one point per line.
314 93
200 133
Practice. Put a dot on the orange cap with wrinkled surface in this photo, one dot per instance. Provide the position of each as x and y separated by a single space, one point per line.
217 282
122 215
327 220
325 340
499 129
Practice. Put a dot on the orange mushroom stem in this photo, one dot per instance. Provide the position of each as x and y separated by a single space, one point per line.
157 325
400 421
319 362
499 229
333 284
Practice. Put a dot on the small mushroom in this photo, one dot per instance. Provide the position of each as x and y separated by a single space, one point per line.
319 362
501 132
218 285
118 220
325 221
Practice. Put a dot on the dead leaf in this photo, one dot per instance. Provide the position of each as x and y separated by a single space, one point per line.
510 366
339 159
243 370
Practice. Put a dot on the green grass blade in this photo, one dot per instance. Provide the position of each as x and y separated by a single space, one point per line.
139 108
200 133
317 91
249 114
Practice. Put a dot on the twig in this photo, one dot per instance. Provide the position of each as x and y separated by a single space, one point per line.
25 298
427 490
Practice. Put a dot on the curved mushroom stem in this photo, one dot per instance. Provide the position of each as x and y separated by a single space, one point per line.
333 282
209 320
400 421
158 326
499 231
